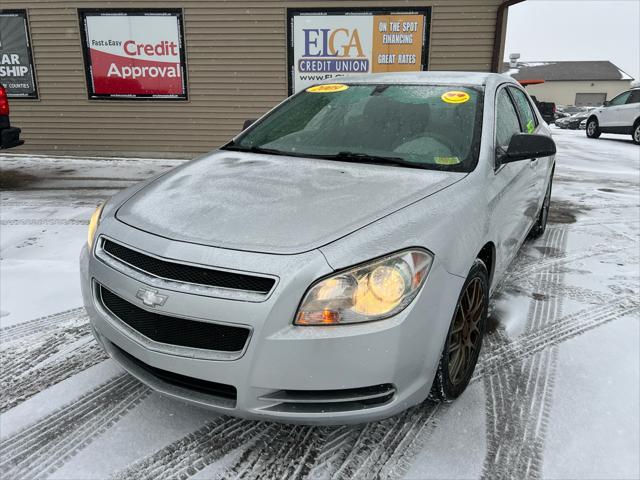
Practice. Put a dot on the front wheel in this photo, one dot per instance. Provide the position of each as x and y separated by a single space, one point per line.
464 339
593 130
636 134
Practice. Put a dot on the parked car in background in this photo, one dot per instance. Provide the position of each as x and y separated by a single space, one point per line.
546 109
333 262
9 136
572 122
563 111
620 115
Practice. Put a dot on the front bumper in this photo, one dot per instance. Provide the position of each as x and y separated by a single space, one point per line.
286 373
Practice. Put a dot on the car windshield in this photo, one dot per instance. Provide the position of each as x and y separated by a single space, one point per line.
422 126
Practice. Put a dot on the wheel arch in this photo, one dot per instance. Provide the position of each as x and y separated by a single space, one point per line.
488 255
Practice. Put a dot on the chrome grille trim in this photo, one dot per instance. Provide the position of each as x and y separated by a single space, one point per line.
169 284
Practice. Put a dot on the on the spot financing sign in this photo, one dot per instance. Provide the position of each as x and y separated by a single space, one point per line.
341 42
134 54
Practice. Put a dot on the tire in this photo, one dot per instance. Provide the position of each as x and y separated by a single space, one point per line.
636 133
593 130
541 223
464 338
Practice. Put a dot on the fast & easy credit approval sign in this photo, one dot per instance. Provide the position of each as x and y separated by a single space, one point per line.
339 42
134 54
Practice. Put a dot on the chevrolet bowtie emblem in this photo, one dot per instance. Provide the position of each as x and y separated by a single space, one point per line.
151 298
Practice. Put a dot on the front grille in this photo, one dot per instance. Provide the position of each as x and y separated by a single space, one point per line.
203 386
188 273
174 330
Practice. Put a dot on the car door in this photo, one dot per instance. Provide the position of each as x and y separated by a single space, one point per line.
512 186
540 166
631 109
612 114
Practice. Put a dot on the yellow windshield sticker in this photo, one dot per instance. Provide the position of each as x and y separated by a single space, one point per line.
328 88
455 96
447 160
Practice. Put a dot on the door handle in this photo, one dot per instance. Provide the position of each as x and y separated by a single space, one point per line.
533 162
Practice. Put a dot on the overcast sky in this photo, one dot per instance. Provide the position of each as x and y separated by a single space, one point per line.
576 30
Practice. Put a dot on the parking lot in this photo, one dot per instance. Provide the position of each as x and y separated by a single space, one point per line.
556 393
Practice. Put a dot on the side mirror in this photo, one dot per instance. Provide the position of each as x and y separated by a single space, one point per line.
527 146
248 123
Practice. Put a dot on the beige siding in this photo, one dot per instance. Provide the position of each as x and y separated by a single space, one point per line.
237 69
564 93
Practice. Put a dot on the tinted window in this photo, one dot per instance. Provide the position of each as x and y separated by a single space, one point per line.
507 123
634 97
430 126
620 99
527 116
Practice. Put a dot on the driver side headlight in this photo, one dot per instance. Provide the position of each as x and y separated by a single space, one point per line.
93 225
372 291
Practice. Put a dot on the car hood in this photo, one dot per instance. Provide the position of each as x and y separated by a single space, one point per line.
274 204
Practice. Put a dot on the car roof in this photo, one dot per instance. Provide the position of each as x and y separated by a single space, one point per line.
438 78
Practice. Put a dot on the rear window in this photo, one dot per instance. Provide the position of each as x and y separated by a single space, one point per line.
430 126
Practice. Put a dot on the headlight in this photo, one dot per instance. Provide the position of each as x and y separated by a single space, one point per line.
93 225
373 291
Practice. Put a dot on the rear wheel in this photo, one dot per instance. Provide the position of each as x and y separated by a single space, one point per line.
541 223
464 338
593 130
636 133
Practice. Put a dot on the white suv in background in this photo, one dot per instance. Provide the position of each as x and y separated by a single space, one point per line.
620 115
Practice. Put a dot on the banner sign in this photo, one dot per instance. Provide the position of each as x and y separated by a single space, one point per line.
135 54
339 42
16 61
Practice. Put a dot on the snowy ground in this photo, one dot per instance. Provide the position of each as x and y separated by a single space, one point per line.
556 393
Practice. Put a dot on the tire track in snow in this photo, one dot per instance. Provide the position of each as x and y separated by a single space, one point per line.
503 354
287 454
42 448
192 453
42 352
380 449
41 324
43 221
19 388
518 397
547 263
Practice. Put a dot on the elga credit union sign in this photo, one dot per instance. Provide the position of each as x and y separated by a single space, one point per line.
16 62
134 54
339 42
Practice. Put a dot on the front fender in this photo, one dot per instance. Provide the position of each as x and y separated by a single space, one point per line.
451 224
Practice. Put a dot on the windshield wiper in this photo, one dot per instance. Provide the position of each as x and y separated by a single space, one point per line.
254 149
367 158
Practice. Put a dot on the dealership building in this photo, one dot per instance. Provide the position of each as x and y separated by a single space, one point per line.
174 79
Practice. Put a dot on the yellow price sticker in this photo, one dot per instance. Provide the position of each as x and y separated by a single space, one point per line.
455 96
447 160
328 88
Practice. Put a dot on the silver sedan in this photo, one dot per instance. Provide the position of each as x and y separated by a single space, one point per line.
332 263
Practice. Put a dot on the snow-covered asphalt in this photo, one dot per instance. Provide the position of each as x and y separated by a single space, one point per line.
556 393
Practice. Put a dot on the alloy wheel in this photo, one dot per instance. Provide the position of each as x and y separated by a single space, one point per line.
465 336
591 128
636 134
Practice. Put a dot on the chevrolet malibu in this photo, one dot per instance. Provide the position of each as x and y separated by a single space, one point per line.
333 262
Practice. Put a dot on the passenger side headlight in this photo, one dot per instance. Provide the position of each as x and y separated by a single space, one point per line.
373 291
93 225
